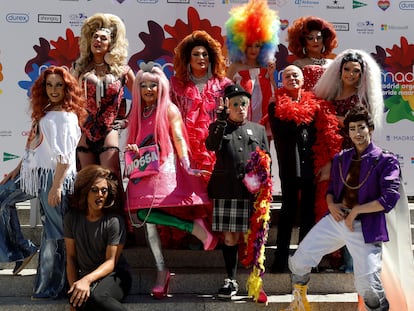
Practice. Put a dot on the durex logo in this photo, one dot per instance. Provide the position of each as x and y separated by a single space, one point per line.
17 18
406 5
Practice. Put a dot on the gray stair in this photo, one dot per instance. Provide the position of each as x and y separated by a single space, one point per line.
34 233
346 302
187 268
196 276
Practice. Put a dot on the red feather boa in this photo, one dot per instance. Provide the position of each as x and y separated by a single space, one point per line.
301 112
328 141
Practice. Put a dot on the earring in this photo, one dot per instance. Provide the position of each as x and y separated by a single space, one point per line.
189 68
108 58
304 51
323 49
110 204
209 70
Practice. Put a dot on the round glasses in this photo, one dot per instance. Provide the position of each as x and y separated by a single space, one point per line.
103 190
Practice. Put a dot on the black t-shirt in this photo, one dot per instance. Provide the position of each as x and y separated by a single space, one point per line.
92 238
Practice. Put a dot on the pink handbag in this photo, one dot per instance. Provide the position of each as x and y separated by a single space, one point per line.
143 164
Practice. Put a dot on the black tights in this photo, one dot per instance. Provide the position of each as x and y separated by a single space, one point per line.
108 293
230 260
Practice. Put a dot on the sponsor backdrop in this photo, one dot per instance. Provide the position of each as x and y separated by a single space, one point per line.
34 36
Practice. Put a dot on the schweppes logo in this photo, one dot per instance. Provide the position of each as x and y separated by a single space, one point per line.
9 156
357 4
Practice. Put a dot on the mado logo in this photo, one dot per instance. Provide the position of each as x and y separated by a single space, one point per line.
399 77
17 18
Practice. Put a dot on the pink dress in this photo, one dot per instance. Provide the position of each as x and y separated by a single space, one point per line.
172 187
198 111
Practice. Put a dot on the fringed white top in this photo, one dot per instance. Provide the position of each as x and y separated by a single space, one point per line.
53 140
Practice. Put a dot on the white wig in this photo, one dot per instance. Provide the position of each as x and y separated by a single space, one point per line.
329 85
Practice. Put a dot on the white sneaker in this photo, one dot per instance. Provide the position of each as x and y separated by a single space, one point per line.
229 289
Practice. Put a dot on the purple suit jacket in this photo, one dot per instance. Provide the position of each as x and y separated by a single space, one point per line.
382 185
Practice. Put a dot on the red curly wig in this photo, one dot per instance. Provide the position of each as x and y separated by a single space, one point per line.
302 26
182 55
74 100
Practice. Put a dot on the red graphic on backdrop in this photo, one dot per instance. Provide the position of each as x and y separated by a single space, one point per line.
398 80
64 53
160 49
181 30
66 50
401 58
153 50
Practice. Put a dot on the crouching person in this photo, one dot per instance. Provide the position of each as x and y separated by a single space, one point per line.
94 236
364 185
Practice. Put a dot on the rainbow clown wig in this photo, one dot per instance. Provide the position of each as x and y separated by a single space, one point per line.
250 23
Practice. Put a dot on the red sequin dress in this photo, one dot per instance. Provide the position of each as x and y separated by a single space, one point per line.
104 96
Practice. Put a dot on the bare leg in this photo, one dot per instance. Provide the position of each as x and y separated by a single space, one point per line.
85 157
109 158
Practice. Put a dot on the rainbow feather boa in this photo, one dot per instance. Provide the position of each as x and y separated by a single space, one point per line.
256 237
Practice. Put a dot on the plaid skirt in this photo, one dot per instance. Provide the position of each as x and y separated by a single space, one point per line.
231 215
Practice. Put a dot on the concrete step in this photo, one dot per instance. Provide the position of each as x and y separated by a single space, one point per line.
201 281
34 233
141 257
188 267
193 302
24 211
196 277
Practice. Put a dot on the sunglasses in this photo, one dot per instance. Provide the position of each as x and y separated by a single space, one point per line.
241 104
148 86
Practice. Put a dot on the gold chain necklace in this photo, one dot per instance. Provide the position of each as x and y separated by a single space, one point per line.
353 187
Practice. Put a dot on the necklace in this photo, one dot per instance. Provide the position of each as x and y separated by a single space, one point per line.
199 82
360 184
100 64
47 106
148 110
318 61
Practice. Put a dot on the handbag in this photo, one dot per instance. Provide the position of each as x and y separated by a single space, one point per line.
144 163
